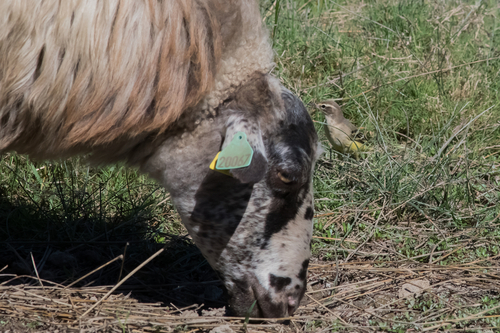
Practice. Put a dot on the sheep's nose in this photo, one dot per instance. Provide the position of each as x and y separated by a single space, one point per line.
293 304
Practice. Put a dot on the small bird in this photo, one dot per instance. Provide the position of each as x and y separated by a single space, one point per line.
342 134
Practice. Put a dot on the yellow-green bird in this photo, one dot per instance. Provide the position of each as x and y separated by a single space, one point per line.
342 134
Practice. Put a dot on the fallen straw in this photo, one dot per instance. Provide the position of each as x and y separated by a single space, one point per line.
122 281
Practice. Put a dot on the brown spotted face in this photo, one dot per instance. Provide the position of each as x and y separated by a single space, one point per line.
255 227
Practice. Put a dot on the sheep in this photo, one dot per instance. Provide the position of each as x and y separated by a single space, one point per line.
165 86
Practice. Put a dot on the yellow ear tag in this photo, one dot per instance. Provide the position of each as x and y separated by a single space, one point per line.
212 166
237 154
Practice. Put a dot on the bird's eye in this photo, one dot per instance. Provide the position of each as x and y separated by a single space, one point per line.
323 106
284 178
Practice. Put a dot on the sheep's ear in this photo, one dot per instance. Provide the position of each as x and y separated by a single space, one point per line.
254 172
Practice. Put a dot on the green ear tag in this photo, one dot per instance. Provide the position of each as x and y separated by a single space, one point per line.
238 154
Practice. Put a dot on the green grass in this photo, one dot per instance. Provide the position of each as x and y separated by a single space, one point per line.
45 197
421 77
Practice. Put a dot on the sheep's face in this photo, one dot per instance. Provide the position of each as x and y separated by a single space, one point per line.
254 227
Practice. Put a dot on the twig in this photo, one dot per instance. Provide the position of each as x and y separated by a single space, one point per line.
371 233
342 286
95 270
269 11
36 270
123 261
431 221
44 298
336 239
327 309
122 281
447 255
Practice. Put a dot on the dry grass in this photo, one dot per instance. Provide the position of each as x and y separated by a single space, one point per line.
367 290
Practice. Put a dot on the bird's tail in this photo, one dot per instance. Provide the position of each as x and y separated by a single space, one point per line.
357 146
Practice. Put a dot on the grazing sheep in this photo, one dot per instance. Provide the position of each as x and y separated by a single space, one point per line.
164 86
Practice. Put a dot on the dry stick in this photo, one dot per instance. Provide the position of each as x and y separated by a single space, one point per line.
36 271
436 268
416 196
15 277
479 260
344 286
370 236
433 286
435 246
496 218
490 147
435 226
122 281
327 309
196 329
474 316
123 261
164 200
95 270
449 254
415 142
373 314
42 297
322 215
269 12
347 295
439 313
332 220
423 255
302 7
336 239
482 273
392 251
492 154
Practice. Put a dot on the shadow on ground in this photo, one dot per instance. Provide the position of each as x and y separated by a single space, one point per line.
65 247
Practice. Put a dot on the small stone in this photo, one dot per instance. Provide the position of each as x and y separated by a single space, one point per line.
414 288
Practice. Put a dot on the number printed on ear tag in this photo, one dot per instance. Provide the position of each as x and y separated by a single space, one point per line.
238 154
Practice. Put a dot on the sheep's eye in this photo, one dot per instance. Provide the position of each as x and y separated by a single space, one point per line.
283 178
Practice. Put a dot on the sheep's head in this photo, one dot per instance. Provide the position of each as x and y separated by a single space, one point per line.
254 226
